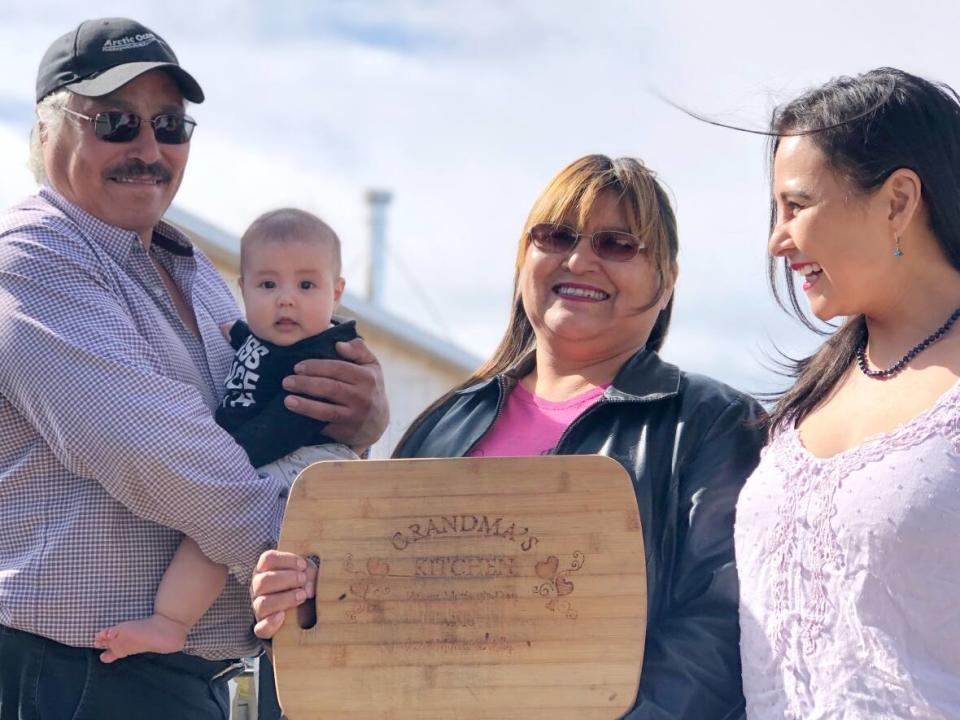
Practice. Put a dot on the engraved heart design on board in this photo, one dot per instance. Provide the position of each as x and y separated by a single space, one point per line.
360 588
376 566
557 583
546 569
564 586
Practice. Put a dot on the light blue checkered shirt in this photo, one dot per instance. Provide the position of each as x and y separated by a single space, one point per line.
109 453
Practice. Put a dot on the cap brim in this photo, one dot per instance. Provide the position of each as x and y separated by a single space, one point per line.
109 80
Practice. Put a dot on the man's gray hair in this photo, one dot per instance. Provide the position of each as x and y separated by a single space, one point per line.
49 117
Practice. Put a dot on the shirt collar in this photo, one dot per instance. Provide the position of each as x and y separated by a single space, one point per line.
645 377
117 242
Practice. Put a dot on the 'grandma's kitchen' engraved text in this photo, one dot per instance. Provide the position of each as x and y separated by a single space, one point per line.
466 566
464 524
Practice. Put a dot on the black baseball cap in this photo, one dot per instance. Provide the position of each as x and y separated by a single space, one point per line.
103 54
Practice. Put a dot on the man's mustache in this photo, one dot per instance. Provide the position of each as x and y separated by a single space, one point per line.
138 169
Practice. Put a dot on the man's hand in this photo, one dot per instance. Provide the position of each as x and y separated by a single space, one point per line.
348 394
281 581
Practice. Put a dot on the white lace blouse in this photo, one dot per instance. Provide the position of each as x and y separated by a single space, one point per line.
850 575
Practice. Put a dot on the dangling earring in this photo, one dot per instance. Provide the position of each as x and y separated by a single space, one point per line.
897 252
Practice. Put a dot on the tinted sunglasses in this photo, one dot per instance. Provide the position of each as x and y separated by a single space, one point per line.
607 244
119 126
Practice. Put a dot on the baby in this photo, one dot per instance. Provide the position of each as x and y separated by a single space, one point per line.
291 284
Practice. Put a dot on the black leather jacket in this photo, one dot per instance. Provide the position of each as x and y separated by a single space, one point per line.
689 443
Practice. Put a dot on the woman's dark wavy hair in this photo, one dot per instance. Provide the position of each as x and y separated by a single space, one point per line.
572 193
868 127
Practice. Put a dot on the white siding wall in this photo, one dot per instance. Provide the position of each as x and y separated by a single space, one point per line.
413 381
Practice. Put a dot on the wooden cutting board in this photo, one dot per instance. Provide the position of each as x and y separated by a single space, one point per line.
466 588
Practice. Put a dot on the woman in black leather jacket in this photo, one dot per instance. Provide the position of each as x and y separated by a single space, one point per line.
593 297
687 441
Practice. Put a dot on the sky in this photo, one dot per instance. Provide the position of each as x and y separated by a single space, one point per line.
464 110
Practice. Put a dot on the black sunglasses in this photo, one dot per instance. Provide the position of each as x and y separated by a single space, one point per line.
119 126
607 244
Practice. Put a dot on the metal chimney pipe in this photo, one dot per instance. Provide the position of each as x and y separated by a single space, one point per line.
376 263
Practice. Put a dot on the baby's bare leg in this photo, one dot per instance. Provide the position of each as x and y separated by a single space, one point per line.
188 588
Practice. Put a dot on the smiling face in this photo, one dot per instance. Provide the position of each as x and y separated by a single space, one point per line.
836 239
109 180
581 306
290 287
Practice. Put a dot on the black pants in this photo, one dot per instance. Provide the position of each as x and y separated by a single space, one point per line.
268 706
43 680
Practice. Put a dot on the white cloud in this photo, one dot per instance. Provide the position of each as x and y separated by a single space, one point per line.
15 178
465 110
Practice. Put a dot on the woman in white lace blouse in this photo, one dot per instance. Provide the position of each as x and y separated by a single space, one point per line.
847 533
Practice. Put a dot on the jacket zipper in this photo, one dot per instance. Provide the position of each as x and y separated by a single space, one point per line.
501 384
583 416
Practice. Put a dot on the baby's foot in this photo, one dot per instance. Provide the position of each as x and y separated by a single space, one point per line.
156 634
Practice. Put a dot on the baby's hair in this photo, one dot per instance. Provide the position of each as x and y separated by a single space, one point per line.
287 224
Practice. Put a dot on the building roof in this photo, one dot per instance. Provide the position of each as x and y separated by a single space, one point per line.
224 248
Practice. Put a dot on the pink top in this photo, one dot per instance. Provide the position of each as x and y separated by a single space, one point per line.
530 425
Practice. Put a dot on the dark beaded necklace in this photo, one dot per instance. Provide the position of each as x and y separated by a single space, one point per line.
911 354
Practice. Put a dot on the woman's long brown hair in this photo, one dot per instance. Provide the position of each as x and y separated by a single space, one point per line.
572 193
867 127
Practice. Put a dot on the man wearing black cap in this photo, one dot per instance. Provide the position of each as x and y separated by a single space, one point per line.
113 364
